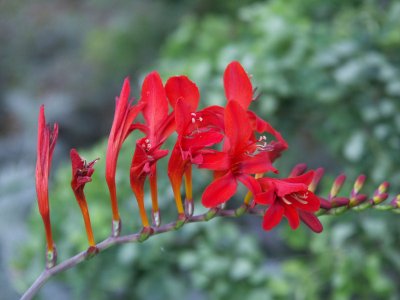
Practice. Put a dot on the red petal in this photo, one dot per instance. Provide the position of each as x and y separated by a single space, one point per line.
262 126
311 221
176 166
121 108
156 103
305 178
311 203
139 160
273 216
182 116
237 126
251 183
124 115
201 140
283 186
238 85
127 128
76 161
166 128
53 140
259 163
219 191
158 154
181 87
215 161
292 215
265 198
213 116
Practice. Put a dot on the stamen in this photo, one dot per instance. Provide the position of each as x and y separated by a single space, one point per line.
300 198
193 120
262 147
286 201
200 119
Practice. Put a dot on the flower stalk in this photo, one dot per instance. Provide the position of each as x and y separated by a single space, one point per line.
233 142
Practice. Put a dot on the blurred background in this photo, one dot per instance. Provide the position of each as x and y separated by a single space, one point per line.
329 77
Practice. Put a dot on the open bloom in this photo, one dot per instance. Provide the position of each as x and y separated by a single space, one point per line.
122 125
82 172
46 142
242 156
238 88
291 198
157 128
196 130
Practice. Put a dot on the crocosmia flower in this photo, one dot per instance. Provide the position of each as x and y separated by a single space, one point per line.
122 125
196 130
238 88
82 172
291 198
242 156
47 137
157 128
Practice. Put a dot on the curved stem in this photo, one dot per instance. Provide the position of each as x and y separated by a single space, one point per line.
136 237
110 241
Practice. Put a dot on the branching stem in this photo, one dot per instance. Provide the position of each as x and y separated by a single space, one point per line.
138 237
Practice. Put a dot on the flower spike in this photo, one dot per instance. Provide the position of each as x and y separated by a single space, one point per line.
124 115
82 172
47 138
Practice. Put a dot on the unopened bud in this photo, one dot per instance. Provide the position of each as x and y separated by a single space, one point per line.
325 204
358 184
337 185
340 201
396 201
379 198
358 199
298 170
383 187
317 177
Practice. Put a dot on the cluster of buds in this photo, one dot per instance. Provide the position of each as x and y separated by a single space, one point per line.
232 141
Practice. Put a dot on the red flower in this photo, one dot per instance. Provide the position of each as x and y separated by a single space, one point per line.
291 198
196 130
47 138
82 172
124 115
242 155
158 126
238 88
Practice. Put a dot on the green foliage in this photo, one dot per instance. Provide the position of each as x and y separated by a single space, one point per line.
328 72
324 69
